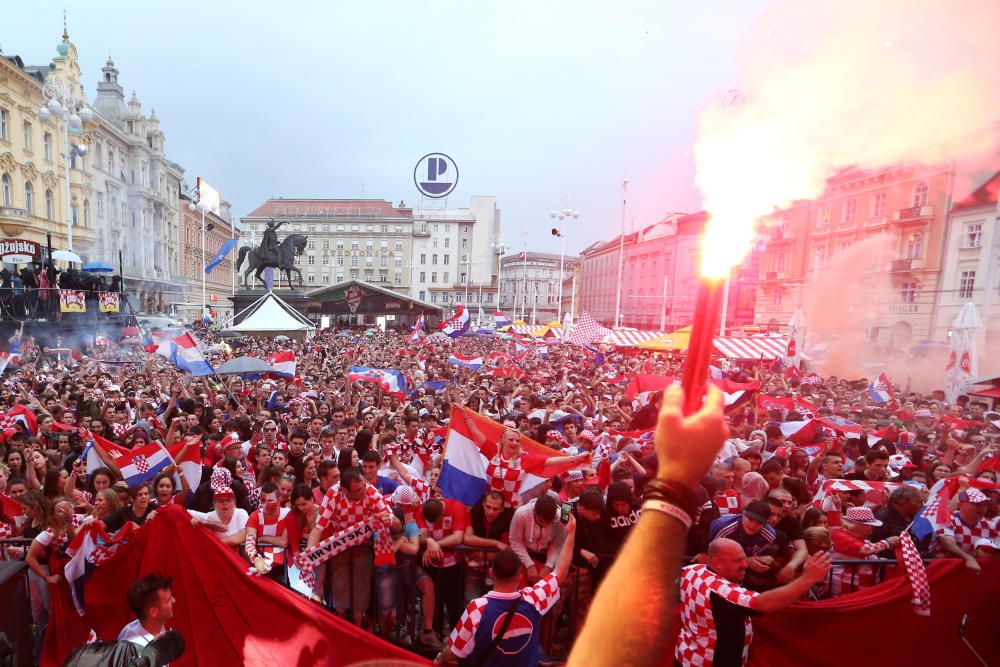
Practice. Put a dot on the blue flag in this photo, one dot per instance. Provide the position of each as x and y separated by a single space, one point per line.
221 255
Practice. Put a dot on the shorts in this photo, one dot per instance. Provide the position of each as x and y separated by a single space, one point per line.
386 581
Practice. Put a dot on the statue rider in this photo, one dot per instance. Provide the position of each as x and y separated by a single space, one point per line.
268 250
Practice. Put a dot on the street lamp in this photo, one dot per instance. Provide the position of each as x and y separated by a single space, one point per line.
566 213
62 103
197 205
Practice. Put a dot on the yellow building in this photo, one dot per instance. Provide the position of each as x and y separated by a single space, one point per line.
32 167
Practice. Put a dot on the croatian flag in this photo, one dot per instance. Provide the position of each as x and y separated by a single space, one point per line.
469 361
183 352
880 391
143 464
457 325
500 320
19 414
283 364
463 475
418 329
393 382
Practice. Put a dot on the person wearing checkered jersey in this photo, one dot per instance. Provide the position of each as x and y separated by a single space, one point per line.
716 611
477 638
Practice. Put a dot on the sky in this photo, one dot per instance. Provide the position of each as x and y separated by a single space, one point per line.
535 101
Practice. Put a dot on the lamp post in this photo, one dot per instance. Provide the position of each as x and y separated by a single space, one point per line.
566 213
62 103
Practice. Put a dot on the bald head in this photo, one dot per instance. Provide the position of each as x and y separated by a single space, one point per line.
727 558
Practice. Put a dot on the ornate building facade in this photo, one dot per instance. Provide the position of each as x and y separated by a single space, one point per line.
220 282
33 197
137 193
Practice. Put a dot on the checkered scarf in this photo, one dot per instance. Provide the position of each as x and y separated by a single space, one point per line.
910 560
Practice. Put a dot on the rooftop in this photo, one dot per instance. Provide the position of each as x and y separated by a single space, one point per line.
330 208
985 195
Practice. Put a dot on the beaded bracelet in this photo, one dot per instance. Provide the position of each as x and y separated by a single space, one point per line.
669 510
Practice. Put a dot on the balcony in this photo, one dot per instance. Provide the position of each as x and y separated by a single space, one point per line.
13 221
910 264
914 213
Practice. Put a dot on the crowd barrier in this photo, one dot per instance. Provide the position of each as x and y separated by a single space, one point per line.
34 303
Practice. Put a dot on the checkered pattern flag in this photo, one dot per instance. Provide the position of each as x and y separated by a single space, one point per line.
907 554
586 331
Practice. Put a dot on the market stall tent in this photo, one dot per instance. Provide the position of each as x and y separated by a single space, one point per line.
269 316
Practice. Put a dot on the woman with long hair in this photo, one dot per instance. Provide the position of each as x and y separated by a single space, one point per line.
15 461
37 465
54 484
105 504
54 523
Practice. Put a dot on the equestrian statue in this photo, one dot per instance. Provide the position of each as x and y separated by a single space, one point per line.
272 254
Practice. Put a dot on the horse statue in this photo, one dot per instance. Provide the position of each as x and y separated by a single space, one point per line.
287 251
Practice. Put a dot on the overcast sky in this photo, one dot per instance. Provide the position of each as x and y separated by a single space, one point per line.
533 100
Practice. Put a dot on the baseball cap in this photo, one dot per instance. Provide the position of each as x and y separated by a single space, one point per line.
757 510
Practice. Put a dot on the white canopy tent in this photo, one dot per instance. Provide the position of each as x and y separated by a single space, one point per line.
269 316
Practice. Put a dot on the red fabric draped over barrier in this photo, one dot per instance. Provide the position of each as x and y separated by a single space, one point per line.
878 626
226 617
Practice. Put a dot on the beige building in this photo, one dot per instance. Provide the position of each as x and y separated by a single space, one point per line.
889 289
33 200
219 283
971 272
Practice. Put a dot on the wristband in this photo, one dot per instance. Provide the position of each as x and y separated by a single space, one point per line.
675 493
670 510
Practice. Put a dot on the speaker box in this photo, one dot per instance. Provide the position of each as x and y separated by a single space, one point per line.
15 615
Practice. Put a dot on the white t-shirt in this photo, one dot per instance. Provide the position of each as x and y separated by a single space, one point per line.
235 525
135 633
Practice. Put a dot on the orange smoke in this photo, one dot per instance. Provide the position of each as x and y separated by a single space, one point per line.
827 85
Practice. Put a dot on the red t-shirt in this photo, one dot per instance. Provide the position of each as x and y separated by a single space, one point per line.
455 517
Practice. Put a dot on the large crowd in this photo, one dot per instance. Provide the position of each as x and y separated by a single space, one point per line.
290 461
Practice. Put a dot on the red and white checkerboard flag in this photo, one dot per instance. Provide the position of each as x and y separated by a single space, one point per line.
586 331
909 557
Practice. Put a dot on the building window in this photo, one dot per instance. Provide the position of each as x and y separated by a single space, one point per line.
369 244
369 276
311 245
465 229
326 277
354 261
326 244
434 259
340 277
354 274
399 229
446 258
340 261
369 261
383 276
369 228
326 229
445 278
465 243
920 195
434 297
355 228
423 295
399 246
27 136
908 292
850 210
4 120
398 278
383 261
385 229
489 297
384 243
310 278
914 245
398 262
423 276
29 198
86 212
354 244
5 190
340 228
823 216
974 235
819 259
434 276
423 258
780 261
966 284
434 243
447 242
312 229
878 205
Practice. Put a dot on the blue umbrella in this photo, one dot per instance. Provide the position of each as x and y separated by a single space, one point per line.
98 267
